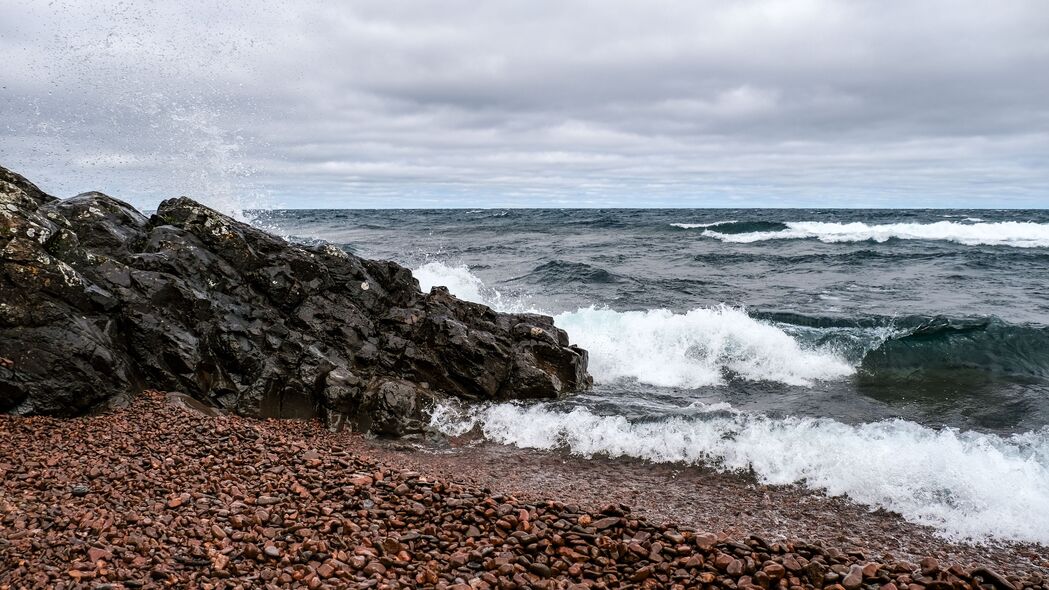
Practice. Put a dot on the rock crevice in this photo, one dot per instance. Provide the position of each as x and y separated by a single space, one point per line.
97 300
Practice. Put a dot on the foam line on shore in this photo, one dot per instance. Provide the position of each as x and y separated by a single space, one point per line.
969 486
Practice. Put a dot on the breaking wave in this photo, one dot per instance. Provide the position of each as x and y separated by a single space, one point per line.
703 347
711 346
1006 233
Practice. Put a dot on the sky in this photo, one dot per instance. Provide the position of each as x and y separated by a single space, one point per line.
734 103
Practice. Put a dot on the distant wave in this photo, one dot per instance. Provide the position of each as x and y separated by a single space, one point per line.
563 271
1005 233
696 225
736 227
954 481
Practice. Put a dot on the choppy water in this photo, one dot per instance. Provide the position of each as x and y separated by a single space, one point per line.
899 357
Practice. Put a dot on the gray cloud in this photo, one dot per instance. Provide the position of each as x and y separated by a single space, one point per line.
769 103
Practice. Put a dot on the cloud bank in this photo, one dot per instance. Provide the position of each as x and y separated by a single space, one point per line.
537 103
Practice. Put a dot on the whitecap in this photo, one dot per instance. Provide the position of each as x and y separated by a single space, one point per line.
1005 233
698 225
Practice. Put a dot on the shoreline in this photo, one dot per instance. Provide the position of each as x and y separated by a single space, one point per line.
731 504
156 494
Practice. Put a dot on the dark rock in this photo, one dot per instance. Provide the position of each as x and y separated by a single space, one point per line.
992 577
854 579
97 301
929 566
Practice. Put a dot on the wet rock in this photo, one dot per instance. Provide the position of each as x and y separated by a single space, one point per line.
929 566
99 300
854 579
992 577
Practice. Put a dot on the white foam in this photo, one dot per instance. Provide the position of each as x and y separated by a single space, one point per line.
1006 233
658 347
697 225
459 280
969 486
467 286
695 349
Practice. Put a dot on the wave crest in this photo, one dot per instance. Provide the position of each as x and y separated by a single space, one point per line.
702 347
1006 233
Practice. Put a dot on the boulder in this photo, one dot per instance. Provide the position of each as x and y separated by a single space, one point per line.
98 301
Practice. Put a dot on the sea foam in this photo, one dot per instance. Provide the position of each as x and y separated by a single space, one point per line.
1006 233
967 485
465 285
699 348
702 347
696 225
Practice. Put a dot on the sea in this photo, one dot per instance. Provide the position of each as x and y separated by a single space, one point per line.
896 357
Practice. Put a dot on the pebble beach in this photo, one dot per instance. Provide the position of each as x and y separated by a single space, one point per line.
158 494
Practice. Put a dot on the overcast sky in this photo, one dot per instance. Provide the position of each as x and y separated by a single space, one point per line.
531 103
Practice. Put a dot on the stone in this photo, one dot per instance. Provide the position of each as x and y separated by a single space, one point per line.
774 570
854 579
605 523
929 566
99 299
374 567
992 577
706 541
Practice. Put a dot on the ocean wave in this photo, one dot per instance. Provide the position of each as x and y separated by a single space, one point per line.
1006 233
698 225
712 346
703 347
968 485
563 271
939 346
739 227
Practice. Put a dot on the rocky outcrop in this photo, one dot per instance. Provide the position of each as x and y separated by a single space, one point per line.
97 300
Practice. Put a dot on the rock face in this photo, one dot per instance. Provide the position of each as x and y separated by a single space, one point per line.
96 300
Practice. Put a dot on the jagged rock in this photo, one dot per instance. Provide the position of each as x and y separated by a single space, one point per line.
97 301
